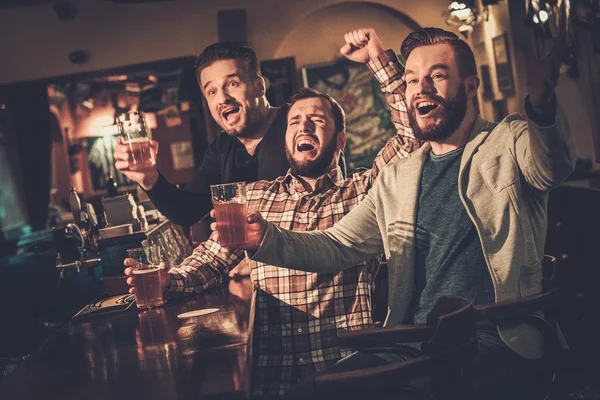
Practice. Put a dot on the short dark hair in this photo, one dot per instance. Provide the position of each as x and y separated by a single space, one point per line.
339 116
228 51
430 36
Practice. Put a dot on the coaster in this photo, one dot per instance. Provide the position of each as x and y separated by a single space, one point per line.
105 305
197 313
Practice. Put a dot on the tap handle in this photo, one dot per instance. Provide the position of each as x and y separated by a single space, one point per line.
75 205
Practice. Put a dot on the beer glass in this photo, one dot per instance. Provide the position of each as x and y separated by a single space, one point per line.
229 201
146 278
133 129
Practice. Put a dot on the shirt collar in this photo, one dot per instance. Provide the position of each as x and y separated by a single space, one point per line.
324 182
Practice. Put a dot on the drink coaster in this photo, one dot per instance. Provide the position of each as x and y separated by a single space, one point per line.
197 313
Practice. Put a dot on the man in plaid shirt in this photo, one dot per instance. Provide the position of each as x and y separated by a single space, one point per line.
299 314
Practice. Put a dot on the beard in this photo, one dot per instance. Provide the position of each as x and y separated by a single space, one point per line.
453 113
318 166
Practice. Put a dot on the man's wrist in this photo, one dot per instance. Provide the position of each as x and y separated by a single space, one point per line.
149 181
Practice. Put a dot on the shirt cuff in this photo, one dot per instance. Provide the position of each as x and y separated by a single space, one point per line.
386 67
547 117
160 182
266 245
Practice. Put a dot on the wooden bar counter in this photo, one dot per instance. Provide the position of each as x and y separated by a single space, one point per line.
147 354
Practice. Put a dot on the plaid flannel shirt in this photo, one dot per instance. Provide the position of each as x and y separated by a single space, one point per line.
299 314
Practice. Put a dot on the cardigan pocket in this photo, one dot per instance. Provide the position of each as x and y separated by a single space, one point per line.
499 173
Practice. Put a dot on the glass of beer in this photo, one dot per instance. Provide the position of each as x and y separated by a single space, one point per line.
146 278
229 200
133 129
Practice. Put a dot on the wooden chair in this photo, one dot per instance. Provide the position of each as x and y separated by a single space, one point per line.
540 311
448 344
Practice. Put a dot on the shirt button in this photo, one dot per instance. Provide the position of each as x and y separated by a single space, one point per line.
391 63
298 272
301 360
299 330
298 301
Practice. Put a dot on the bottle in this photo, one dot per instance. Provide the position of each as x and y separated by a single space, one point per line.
111 186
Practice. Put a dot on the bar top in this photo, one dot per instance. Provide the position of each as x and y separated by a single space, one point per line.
148 355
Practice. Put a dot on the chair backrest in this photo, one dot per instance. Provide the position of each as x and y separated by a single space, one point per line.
453 319
448 347
527 310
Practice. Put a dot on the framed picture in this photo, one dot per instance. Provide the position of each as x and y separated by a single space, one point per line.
281 79
502 60
500 109
368 121
486 81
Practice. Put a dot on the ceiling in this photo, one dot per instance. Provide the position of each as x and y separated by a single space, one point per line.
22 3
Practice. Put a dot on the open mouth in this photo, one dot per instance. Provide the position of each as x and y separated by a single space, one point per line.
305 145
230 112
425 107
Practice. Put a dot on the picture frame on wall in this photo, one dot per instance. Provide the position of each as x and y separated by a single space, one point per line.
486 81
487 88
500 109
504 73
368 120
281 78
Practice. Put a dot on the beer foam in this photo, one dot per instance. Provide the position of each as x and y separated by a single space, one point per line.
144 271
197 313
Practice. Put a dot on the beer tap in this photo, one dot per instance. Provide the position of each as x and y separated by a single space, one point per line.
78 264
85 232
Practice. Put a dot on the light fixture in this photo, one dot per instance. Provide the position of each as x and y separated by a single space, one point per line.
463 15
538 18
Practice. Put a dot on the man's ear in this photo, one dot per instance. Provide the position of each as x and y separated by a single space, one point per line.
472 85
260 85
341 140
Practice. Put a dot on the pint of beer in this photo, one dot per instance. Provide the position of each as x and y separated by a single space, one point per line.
229 201
146 279
133 129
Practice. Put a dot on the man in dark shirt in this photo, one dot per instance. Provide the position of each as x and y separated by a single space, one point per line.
251 146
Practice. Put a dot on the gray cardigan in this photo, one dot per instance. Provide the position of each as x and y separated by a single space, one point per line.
505 174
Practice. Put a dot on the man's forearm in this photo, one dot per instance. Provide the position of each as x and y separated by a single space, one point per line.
389 72
178 205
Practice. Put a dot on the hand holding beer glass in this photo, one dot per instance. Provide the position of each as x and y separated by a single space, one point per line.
146 273
229 201
135 153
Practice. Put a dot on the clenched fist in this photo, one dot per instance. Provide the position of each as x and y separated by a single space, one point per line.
362 45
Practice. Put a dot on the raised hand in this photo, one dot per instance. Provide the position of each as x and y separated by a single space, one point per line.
542 75
362 45
256 227
145 175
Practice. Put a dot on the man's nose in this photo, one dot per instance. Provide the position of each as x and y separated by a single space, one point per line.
223 97
426 86
307 126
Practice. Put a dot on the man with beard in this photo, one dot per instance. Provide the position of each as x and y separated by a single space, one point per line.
251 146
463 215
299 314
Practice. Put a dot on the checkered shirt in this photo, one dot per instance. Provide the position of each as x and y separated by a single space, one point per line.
299 314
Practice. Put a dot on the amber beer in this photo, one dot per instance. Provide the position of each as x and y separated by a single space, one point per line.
148 289
231 223
146 278
141 156
229 201
134 132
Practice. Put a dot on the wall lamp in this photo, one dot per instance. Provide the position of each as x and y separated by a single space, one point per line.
464 16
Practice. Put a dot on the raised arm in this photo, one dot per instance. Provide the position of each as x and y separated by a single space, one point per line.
364 46
543 147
